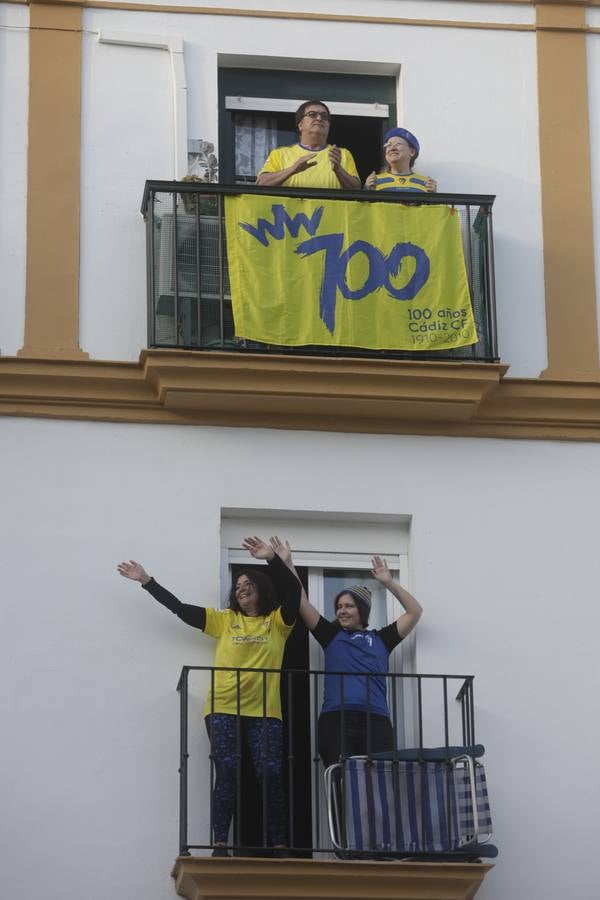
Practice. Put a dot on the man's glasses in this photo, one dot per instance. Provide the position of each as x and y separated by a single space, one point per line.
313 114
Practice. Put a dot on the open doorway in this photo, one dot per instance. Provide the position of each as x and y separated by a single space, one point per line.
256 113
256 133
295 706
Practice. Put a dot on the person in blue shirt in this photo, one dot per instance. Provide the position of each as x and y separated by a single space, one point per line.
401 149
355 717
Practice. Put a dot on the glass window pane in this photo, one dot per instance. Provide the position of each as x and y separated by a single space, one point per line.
256 134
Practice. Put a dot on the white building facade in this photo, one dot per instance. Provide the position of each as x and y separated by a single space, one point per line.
477 479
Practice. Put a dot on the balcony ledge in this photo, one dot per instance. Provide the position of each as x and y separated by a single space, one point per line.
295 392
204 878
175 387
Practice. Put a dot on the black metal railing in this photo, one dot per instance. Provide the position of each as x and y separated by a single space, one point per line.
189 298
426 711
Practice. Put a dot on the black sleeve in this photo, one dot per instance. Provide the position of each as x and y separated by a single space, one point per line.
389 635
191 615
325 631
287 588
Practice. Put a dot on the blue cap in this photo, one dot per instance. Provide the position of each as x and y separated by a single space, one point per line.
406 135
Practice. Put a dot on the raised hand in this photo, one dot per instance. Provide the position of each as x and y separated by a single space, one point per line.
380 571
305 162
257 548
282 550
335 157
133 570
430 185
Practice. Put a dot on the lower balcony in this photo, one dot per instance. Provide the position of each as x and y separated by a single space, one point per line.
412 822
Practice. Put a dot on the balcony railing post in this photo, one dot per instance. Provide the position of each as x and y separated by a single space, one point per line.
175 267
369 743
446 725
221 219
420 709
342 718
447 766
491 284
316 780
394 678
469 250
183 762
265 768
238 763
199 316
212 758
291 760
471 713
150 269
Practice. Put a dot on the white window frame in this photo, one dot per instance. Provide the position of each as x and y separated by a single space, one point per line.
316 562
336 107
380 533
401 660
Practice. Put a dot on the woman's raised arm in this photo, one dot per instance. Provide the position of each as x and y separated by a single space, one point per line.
308 613
133 570
413 609
191 615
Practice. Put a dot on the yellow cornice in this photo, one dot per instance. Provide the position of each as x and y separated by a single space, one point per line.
307 393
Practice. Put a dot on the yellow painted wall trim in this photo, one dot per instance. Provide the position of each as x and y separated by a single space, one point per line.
569 266
53 182
478 2
171 387
43 28
307 16
57 2
120 5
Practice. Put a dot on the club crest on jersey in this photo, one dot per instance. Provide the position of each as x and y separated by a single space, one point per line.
362 635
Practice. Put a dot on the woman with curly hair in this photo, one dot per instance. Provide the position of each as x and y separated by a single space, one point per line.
250 634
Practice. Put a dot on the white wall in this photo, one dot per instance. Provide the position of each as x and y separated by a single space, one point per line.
470 96
14 91
127 132
503 558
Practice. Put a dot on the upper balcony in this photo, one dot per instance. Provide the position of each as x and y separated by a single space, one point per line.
190 289
401 317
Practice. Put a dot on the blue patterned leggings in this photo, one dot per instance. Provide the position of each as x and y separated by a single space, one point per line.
264 739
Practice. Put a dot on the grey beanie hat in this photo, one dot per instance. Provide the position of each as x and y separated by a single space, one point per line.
362 596
360 593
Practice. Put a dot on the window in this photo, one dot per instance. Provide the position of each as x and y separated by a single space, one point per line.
255 135
256 113
346 544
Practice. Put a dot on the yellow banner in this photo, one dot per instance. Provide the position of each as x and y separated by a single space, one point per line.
380 276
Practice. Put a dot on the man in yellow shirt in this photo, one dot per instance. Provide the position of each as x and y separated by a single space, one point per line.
312 162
